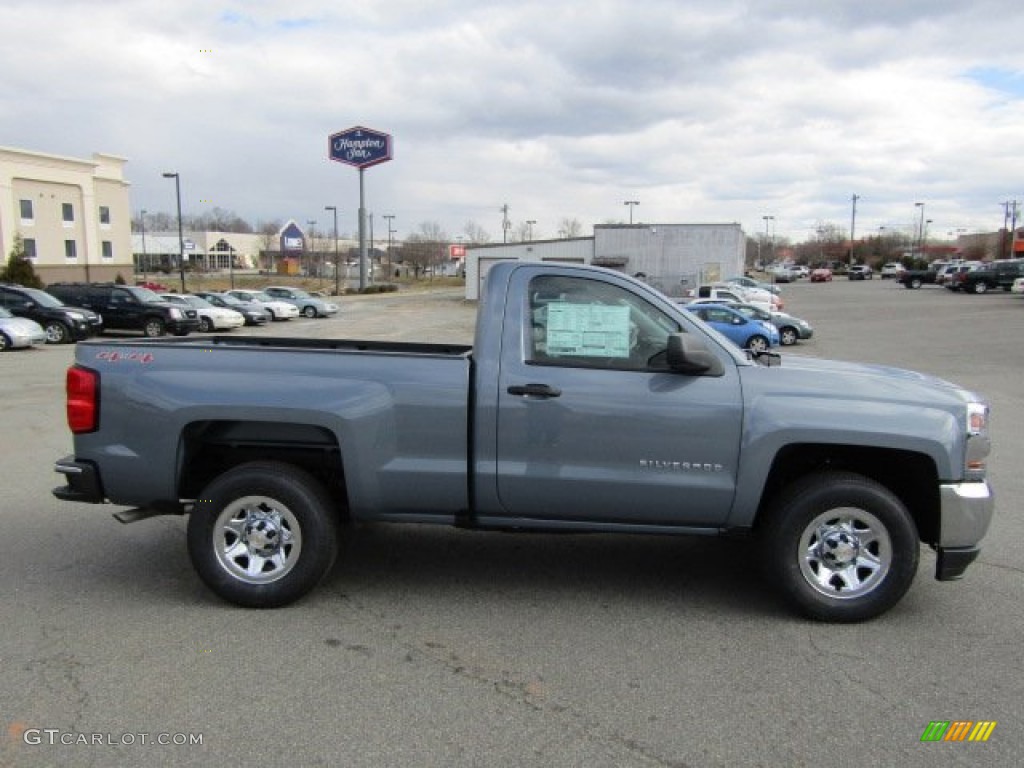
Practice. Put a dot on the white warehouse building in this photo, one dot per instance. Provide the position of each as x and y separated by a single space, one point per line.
671 257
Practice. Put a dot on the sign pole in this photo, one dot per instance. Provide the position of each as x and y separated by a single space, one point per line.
362 234
362 148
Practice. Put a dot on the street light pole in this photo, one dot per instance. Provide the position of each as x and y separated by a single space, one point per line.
337 270
529 228
853 228
389 217
632 204
920 232
142 226
181 237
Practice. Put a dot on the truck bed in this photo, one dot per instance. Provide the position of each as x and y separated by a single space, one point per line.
285 342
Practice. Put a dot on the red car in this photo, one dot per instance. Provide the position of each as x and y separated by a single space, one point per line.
157 287
821 275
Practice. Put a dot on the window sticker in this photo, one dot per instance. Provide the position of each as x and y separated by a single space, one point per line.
588 330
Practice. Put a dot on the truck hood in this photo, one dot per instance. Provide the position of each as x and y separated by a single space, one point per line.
845 381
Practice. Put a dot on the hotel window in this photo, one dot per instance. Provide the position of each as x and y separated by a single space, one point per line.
30 247
68 214
70 251
105 215
27 215
108 249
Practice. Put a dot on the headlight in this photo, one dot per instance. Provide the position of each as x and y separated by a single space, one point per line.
76 316
176 313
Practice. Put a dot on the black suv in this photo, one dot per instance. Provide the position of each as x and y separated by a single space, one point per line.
127 307
996 274
62 323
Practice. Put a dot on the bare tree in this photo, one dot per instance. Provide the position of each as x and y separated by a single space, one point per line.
425 248
475 234
568 228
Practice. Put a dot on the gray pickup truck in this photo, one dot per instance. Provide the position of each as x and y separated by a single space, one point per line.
589 402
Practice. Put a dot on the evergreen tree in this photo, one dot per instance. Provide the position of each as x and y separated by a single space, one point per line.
19 269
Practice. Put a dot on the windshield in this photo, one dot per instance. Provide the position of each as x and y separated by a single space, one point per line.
231 300
261 296
145 295
198 301
42 298
297 294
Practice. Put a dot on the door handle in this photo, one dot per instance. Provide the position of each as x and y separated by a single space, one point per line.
534 390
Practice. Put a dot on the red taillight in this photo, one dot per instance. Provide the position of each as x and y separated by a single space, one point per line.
83 399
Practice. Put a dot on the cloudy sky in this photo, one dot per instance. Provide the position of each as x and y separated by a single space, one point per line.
703 111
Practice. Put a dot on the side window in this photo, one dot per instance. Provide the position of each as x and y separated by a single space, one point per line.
121 298
580 322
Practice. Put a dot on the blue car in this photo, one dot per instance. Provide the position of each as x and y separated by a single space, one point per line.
746 332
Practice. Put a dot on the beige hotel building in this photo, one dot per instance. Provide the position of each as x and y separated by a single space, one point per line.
73 214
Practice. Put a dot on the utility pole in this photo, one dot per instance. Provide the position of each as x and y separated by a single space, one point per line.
529 228
1013 229
505 224
390 218
853 228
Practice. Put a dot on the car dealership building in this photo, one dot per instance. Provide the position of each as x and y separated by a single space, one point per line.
671 257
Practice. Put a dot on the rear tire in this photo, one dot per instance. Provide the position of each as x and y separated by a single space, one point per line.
309 312
263 534
205 325
153 327
788 336
840 547
758 344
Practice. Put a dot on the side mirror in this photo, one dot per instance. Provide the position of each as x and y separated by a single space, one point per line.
687 354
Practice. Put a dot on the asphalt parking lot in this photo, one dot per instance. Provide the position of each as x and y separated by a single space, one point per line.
451 648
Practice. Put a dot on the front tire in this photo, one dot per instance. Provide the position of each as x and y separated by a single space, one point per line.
263 534
840 547
57 333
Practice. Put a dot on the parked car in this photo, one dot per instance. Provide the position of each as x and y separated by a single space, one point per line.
801 270
309 306
716 294
821 275
891 269
860 272
254 314
783 274
791 329
62 323
769 299
18 332
995 274
745 332
749 282
211 318
953 277
279 310
128 307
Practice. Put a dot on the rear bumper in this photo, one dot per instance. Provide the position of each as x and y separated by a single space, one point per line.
83 481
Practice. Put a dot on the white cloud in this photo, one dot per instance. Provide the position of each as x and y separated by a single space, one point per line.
703 111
